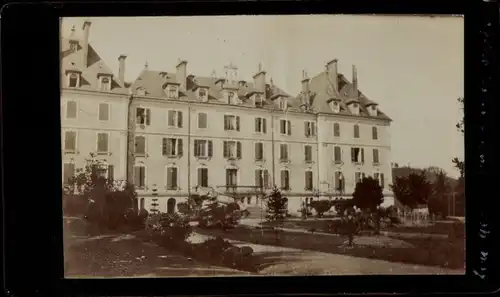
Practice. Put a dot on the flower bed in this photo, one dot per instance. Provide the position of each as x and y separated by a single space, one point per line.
171 232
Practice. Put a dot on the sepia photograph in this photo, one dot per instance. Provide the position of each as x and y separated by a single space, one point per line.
262 145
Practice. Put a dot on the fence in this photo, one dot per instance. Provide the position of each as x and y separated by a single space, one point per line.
416 218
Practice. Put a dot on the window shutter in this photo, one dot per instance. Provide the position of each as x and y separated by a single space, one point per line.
205 176
67 174
196 149
169 177
179 119
287 179
225 153
238 150
313 128
210 148
237 123
137 176
306 183
148 116
353 153
257 155
69 141
174 177
282 127
179 147
289 125
225 123
382 180
306 128
266 179
111 172
362 155
283 179
282 151
257 125
264 128
200 177
257 178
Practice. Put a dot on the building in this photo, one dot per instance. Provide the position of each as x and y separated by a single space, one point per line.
94 105
190 134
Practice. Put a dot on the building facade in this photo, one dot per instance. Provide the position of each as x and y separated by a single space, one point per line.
175 134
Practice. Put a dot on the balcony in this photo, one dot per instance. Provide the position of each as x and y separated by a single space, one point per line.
240 190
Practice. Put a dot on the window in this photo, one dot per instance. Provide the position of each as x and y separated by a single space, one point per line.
337 154
102 143
375 156
140 176
336 129
357 155
308 153
203 148
357 177
284 152
73 80
335 106
374 133
142 204
232 149
203 177
283 104
172 92
140 145
103 112
71 110
260 125
285 180
172 147
70 141
202 120
143 116
231 123
172 178
258 101
262 178
68 173
111 172
202 95
175 118
105 84
309 180
339 181
259 151
309 129
356 131
230 97
382 180
285 127
231 178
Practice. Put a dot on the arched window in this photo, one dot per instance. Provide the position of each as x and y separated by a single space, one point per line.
356 131
171 206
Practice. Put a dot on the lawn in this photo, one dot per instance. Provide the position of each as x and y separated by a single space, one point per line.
445 253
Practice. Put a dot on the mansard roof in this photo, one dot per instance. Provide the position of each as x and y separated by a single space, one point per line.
72 60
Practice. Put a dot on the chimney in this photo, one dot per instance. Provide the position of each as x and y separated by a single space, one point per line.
259 80
333 73
121 68
182 73
354 82
305 82
85 45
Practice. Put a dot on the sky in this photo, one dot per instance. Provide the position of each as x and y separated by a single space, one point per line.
412 66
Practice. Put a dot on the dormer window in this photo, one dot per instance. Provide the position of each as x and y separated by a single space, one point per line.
230 98
141 92
74 80
172 91
372 110
202 94
105 83
258 101
335 106
353 107
283 103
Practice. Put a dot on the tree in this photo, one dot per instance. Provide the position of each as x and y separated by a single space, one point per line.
459 164
440 189
412 190
276 205
368 194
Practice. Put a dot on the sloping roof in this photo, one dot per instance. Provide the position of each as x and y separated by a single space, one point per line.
319 85
321 92
73 60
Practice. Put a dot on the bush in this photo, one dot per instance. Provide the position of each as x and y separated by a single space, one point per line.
74 205
321 206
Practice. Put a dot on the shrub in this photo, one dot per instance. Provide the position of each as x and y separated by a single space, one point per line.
321 206
277 206
74 205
